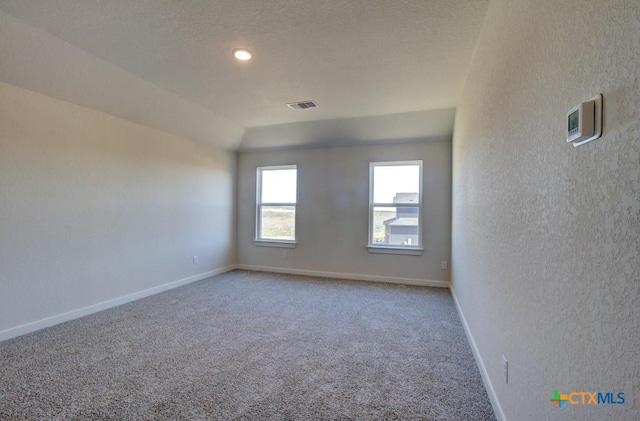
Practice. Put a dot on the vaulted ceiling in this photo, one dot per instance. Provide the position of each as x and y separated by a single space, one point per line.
379 70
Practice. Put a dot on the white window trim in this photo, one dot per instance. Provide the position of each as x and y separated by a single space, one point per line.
268 242
394 249
410 251
288 244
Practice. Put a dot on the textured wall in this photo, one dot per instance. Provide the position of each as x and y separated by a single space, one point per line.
333 206
546 237
93 207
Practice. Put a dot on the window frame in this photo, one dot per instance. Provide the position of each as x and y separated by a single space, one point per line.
271 242
387 248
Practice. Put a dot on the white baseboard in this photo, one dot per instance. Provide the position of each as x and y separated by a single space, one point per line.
352 276
497 409
94 308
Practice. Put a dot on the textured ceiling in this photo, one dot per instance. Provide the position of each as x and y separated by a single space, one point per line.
168 64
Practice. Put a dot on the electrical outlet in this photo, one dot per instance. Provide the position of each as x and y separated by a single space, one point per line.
505 369
444 265
285 254
195 260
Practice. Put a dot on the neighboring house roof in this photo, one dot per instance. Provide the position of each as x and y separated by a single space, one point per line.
404 222
406 198
388 221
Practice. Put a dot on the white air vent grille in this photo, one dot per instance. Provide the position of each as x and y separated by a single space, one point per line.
302 105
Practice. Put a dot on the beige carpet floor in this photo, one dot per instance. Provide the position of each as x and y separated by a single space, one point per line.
254 346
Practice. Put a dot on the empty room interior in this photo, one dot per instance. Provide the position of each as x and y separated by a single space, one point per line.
358 209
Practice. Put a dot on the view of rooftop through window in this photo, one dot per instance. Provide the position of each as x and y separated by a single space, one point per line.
396 204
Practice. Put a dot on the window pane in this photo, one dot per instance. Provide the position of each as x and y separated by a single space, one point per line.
279 186
278 222
395 226
396 184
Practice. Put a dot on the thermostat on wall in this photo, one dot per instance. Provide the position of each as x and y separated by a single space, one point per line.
584 121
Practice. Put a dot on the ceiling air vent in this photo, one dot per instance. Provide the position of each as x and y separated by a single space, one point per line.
302 105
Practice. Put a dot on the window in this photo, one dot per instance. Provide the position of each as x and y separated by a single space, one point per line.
276 206
395 211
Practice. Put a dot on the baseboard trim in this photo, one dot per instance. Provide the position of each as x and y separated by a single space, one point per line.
94 308
495 403
351 276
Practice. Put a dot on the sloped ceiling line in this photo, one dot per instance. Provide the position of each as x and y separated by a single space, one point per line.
168 65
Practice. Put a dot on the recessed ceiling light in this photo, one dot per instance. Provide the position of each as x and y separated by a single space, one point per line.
242 54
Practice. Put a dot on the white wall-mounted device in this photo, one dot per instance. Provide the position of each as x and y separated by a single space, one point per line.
584 121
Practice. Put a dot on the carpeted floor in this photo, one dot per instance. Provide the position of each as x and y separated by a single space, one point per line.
249 345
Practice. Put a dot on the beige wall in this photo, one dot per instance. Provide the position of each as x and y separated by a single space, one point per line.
333 211
94 208
546 237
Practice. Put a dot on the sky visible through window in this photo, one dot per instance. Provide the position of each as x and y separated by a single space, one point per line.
279 186
392 179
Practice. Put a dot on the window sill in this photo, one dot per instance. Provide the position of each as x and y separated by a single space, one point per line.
275 243
413 251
